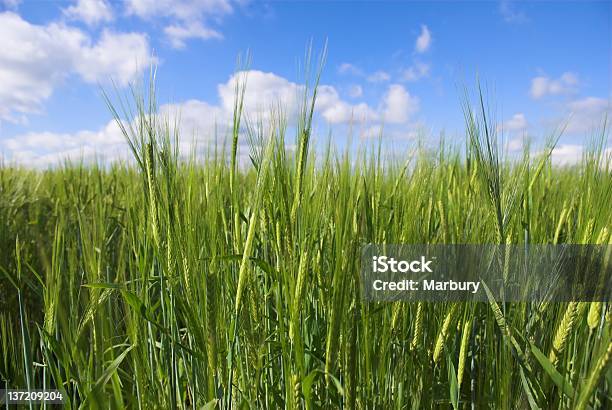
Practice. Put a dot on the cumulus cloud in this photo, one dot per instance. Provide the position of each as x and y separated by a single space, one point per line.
423 42
348 68
516 127
179 33
542 86
587 114
572 154
335 110
379 77
92 12
181 9
197 119
42 149
119 56
355 91
515 144
567 154
372 131
202 122
268 91
518 122
185 19
199 123
398 104
264 92
416 71
591 104
36 58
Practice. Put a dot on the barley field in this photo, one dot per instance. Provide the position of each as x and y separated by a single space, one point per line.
176 281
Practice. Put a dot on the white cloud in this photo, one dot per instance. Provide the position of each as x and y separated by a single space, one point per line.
335 110
33 60
398 104
423 42
518 122
181 9
92 12
415 72
186 19
542 86
37 58
268 91
119 56
348 68
42 149
372 131
572 154
567 154
178 34
591 104
199 120
569 78
110 134
355 91
515 144
198 123
379 77
264 92
587 114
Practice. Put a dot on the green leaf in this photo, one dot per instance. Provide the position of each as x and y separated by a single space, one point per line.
104 285
307 384
112 368
554 374
6 274
337 384
211 405
94 394
452 381
532 402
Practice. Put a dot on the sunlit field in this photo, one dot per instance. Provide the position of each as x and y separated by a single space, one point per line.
195 281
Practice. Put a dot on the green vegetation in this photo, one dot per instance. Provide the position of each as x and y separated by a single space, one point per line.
180 283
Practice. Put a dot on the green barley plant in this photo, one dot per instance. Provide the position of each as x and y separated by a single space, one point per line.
204 281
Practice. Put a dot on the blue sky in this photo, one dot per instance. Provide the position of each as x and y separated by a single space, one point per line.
403 64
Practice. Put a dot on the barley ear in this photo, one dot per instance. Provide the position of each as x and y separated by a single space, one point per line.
594 315
418 327
442 335
465 338
563 331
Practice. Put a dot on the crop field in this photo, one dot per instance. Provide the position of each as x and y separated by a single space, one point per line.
195 281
